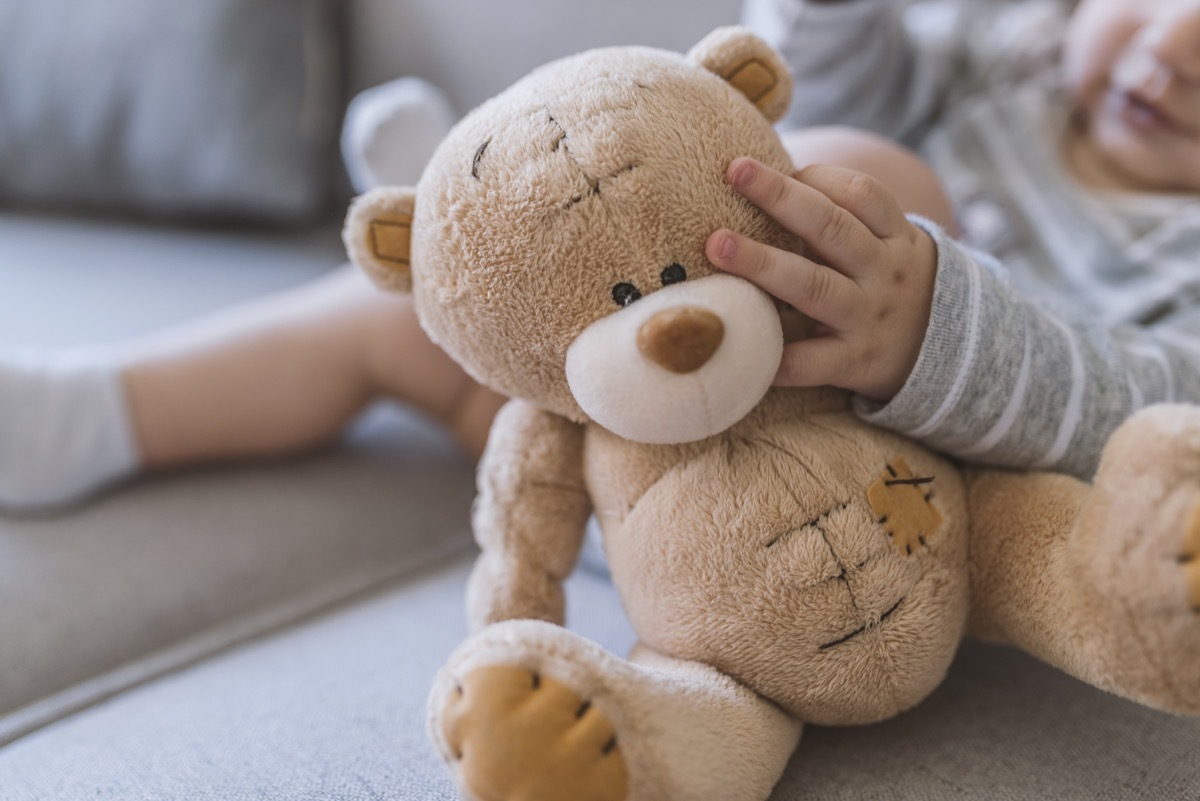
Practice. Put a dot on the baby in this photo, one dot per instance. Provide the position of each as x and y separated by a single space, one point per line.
1080 176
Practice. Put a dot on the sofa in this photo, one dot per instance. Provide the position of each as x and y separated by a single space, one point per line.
269 631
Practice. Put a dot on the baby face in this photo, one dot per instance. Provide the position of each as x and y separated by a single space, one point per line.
1134 67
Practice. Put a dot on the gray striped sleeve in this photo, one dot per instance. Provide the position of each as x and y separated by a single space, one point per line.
854 63
892 66
1005 381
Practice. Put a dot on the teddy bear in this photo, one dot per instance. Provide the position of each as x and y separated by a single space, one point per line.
781 561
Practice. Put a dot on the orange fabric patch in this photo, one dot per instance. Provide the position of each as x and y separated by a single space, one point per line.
753 79
391 240
901 502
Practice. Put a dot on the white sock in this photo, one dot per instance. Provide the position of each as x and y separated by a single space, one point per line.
65 430
391 130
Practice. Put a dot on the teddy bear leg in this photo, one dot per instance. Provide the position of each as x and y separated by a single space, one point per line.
528 710
1103 582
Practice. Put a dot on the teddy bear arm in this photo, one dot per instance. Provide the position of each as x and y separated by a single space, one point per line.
529 517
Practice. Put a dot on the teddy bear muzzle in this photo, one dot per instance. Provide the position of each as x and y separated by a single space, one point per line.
681 364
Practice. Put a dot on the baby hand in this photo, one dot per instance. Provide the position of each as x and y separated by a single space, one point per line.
867 279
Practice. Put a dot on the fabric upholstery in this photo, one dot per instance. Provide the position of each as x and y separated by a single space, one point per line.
161 573
331 710
226 107
334 710
70 281
168 643
167 570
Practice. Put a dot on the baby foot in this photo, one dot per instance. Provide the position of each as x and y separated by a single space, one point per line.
64 427
391 130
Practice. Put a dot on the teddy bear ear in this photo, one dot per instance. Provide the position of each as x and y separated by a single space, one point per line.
750 65
378 236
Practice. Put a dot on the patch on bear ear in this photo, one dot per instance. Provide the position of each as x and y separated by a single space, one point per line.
391 240
750 65
1190 560
378 236
902 503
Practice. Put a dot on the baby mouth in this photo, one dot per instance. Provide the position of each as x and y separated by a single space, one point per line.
1142 114
1137 78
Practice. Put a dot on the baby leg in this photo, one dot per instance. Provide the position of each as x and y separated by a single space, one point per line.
64 426
287 373
272 377
902 172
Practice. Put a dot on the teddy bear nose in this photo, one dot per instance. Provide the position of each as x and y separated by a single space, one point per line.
682 339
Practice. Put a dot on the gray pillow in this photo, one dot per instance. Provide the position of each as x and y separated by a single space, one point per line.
203 107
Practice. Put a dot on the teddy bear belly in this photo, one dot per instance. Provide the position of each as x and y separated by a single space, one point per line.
761 554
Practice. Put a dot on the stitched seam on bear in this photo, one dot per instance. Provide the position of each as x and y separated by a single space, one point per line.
594 183
862 628
814 523
561 144
824 535
478 157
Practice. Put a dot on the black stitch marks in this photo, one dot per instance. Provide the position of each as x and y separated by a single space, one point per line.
814 523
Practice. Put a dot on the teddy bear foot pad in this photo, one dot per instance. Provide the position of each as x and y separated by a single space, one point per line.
528 711
555 744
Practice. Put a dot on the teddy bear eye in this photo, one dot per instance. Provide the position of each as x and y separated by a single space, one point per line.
624 294
673 274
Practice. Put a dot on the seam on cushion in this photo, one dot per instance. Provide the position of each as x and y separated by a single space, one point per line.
239 630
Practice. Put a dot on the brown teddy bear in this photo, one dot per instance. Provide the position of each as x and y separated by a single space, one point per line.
780 561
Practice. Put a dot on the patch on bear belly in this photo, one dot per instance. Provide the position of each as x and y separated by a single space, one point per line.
902 503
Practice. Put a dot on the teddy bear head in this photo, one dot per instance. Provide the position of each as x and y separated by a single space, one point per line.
555 242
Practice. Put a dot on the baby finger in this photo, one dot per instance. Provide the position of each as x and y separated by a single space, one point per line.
820 292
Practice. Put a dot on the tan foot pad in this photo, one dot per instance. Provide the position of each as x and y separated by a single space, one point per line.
519 736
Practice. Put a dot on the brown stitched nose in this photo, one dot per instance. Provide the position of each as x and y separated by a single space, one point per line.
681 340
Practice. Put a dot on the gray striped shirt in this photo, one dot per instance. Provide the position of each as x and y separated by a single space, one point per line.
1086 306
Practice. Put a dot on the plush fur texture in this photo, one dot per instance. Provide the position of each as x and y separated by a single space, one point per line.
782 562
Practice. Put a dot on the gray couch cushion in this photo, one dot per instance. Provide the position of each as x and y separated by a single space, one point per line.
70 280
331 710
164 572
334 710
169 570
219 107
1004 727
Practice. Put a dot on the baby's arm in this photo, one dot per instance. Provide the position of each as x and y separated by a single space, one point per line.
892 66
854 62
1005 381
865 275
953 355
